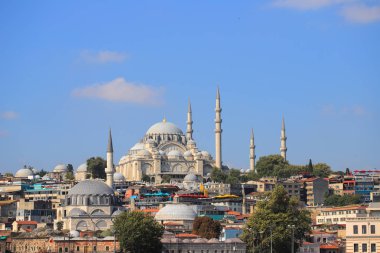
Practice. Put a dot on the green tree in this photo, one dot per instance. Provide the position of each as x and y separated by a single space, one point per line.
42 173
138 232
217 175
337 200
271 165
96 167
146 178
70 168
233 177
206 227
69 176
321 170
309 167
8 174
272 218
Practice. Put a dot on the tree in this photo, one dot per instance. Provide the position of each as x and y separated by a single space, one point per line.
96 167
138 232
270 165
69 176
42 173
70 168
309 167
145 178
206 227
59 225
321 170
217 175
337 200
8 174
272 218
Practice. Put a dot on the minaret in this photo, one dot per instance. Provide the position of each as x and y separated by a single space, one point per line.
109 170
252 155
283 148
189 130
218 132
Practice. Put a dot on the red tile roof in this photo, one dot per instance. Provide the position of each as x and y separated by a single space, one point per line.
186 235
27 222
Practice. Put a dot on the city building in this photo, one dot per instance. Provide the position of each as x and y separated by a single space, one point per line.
339 215
316 190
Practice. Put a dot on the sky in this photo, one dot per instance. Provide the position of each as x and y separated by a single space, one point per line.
70 70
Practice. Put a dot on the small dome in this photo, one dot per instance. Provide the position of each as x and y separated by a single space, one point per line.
60 168
191 142
144 152
164 127
176 212
82 168
117 212
242 171
175 154
190 178
74 233
118 177
205 154
91 187
35 171
200 240
213 240
46 177
24 172
37 177
150 141
138 146
187 153
161 152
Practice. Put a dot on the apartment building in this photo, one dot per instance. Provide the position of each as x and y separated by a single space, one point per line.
339 215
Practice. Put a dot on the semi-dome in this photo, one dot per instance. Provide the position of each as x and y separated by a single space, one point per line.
74 234
60 168
91 187
190 178
24 172
187 153
138 146
77 212
82 168
205 154
117 212
174 154
118 177
161 152
176 212
144 152
164 127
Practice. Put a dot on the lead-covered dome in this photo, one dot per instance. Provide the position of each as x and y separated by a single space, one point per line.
176 212
60 168
91 187
164 127
82 168
24 172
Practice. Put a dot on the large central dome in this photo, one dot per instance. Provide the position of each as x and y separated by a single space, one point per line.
164 127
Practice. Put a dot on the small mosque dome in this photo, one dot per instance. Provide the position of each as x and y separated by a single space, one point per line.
82 168
187 153
117 212
191 142
24 172
164 127
190 178
46 177
144 152
213 240
205 154
138 146
74 234
118 177
60 168
161 152
176 212
91 187
174 154
242 171
37 177
200 240
77 212
35 171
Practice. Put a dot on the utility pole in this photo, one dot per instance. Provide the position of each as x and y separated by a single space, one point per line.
292 227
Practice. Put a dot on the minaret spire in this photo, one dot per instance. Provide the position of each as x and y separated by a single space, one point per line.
189 130
283 148
252 155
109 170
218 131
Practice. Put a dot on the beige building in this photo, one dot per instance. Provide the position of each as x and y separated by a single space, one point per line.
339 215
316 190
363 234
292 187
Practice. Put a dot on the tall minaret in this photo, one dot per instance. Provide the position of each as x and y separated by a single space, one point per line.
189 130
218 132
109 170
252 155
283 148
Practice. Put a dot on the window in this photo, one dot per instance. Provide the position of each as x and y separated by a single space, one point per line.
66 250
107 248
355 229
373 229
364 247
94 248
364 229
373 247
356 247
78 249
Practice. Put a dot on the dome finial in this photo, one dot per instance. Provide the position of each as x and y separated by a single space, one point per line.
164 119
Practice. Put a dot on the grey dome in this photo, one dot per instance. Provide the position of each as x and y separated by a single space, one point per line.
24 172
176 212
74 234
91 187
144 152
60 168
138 146
164 128
175 154
117 212
77 212
118 177
82 168
213 240
205 153
190 178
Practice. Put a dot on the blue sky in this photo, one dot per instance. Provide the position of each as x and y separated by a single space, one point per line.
70 70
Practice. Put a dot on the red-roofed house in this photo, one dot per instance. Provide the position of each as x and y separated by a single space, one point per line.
24 225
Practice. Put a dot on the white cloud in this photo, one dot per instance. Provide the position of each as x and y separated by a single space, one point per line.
102 56
119 90
361 13
307 4
8 115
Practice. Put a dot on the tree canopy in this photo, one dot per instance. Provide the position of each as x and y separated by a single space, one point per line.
138 232
96 167
206 227
275 215
337 200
